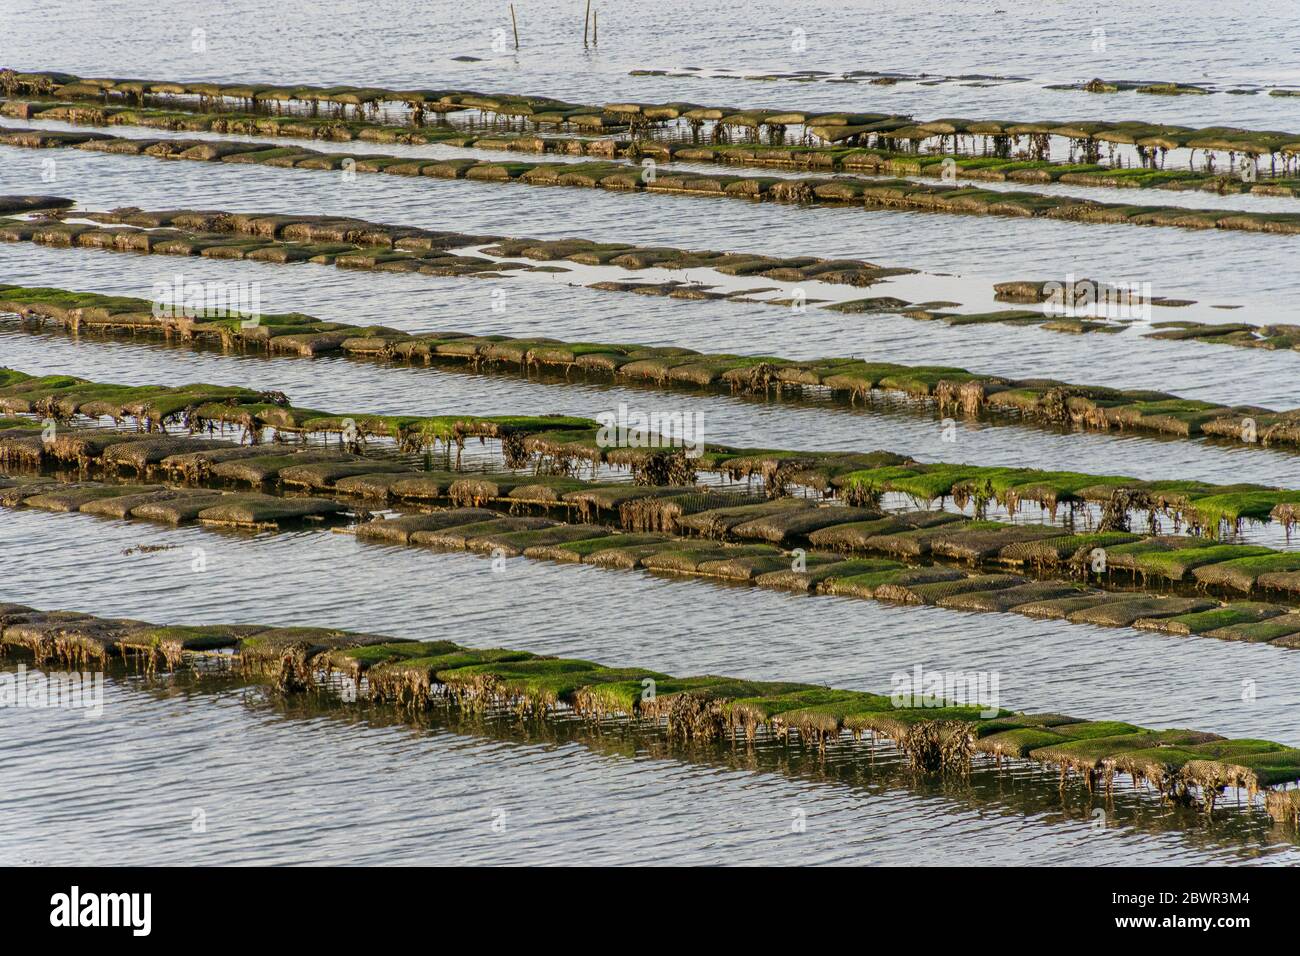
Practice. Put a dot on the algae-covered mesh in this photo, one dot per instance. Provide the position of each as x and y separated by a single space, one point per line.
788 599
934 735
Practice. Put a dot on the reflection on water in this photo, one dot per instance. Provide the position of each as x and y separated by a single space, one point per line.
812 421
1049 45
1176 159
1220 266
669 624
1214 269
294 781
449 786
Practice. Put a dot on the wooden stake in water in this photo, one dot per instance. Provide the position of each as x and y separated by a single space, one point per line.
586 23
595 28
514 23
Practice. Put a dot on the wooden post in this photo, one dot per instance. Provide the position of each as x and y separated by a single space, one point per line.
586 24
514 23
595 28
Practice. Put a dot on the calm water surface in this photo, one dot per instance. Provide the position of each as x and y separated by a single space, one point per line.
298 782
331 786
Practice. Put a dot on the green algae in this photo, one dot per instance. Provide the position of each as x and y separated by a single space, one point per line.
1176 565
756 372
821 572
1125 613
865 584
1243 573
933 734
612 176
1277 629
1203 622
1052 551
356 660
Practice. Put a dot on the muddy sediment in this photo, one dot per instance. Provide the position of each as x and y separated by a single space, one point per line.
23 205
1074 303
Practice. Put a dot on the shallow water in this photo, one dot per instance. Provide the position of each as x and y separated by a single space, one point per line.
418 42
814 422
1196 199
372 791
1221 266
298 783
344 796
